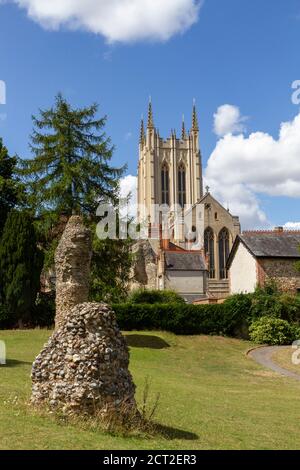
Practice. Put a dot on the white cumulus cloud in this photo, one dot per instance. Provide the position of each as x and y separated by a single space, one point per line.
128 190
292 226
128 187
228 120
240 168
117 20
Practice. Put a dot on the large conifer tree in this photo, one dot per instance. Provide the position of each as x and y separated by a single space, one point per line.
20 267
11 190
70 172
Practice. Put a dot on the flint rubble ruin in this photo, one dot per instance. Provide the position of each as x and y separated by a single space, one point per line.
83 369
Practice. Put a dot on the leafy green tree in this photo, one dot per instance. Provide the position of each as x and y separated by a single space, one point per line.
20 268
110 271
11 190
71 171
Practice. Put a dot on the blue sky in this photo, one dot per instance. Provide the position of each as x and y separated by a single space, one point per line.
244 53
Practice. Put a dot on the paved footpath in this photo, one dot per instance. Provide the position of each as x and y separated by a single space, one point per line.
264 357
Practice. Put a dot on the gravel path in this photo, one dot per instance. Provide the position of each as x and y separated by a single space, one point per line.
264 357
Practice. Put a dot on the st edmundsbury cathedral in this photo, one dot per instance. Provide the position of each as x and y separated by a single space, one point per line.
170 174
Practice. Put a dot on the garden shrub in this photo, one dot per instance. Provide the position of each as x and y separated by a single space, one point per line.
271 301
296 329
144 296
288 308
273 331
238 311
265 301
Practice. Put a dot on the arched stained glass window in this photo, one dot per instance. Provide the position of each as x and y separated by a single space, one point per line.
223 252
209 246
181 186
165 185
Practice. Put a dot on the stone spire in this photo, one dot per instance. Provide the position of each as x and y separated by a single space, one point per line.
142 134
150 115
195 118
183 133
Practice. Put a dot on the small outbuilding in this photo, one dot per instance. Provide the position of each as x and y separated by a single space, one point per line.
259 256
184 272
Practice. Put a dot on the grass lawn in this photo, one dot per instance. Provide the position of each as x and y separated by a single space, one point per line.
212 397
283 358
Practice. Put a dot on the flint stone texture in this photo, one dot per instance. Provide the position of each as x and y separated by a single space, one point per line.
72 267
83 369
144 270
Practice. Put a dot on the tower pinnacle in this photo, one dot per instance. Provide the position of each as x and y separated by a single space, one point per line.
142 134
195 118
150 115
183 134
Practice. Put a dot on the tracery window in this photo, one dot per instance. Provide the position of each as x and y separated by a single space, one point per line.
209 246
181 186
165 185
223 252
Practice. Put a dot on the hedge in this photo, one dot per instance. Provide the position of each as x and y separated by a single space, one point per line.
179 319
147 296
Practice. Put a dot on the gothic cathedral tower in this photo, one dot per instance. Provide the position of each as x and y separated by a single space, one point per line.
169 171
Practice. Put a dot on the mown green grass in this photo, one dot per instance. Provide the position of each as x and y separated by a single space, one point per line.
284 358
212 397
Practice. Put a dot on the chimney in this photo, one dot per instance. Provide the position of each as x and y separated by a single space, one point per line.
166 244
